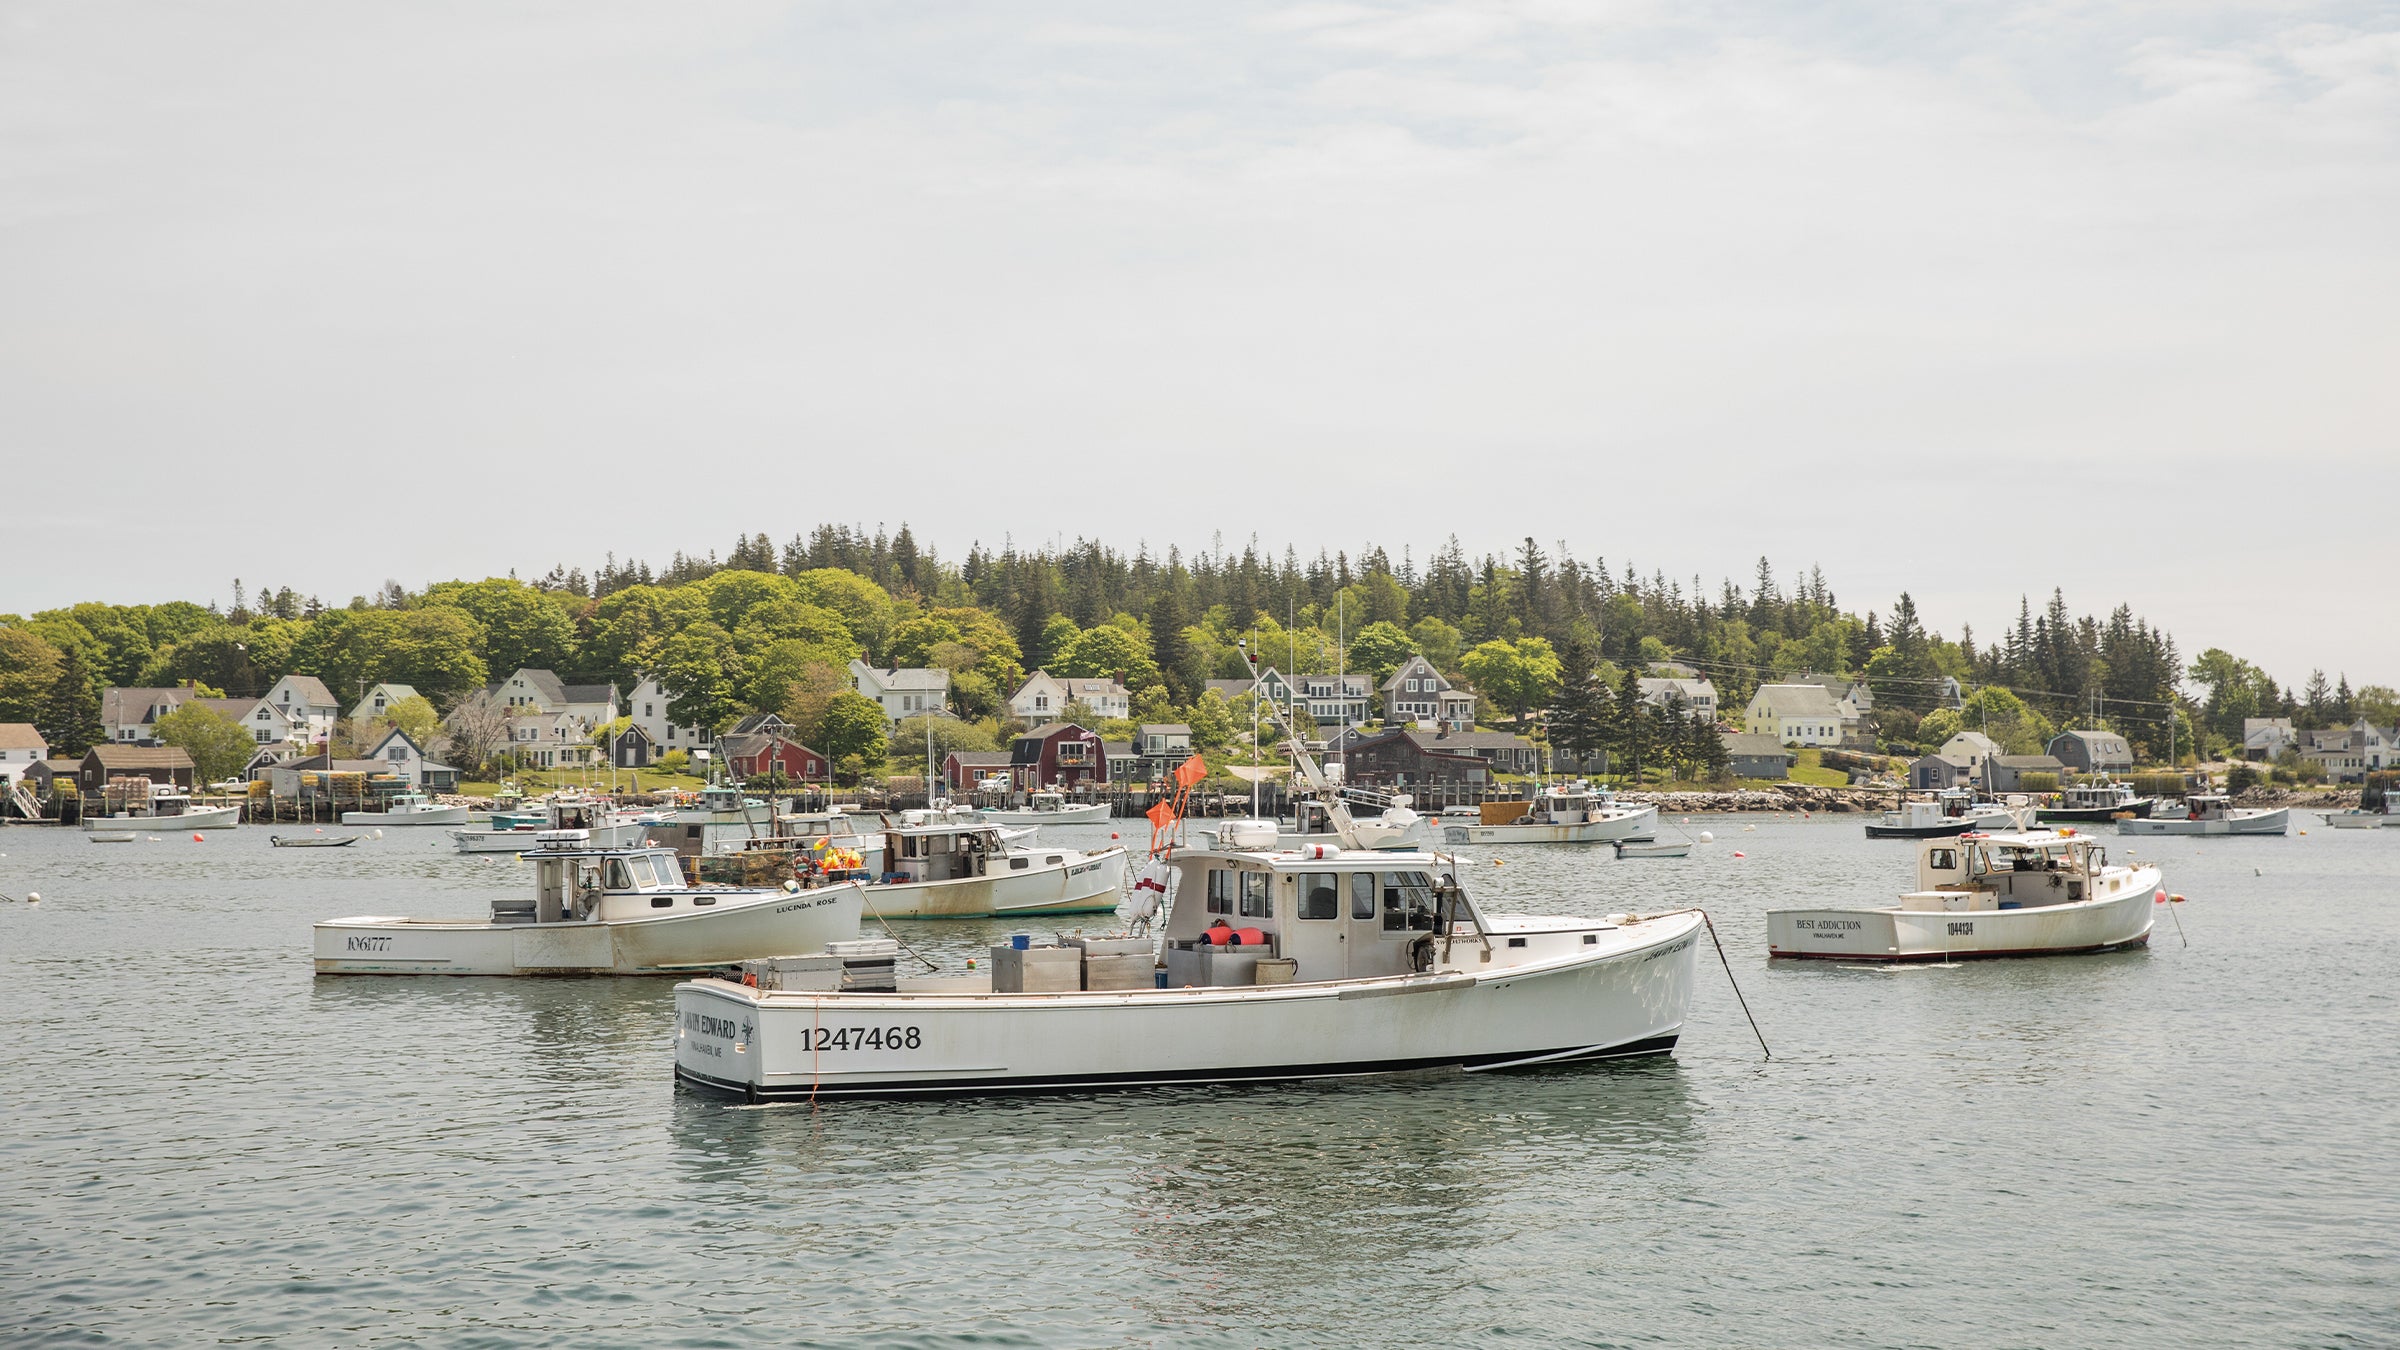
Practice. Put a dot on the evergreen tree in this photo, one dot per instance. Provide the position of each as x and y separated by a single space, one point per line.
1632 739
71 715
1170 651
1708 749
1579 717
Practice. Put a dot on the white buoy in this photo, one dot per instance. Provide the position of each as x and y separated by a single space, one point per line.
1707 838
1749 829
33 897
379 834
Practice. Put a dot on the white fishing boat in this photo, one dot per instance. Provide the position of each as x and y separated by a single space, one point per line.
1048 808
1397 825
608 826
1316 963
1567 813
1324 962
2092 803
2029 893
597 911
2212 813
169 807
2360 818
1951 812
950 863
408 808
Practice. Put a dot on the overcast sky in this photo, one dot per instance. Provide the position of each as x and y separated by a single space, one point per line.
1965 299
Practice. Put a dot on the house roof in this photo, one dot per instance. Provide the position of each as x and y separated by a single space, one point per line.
1954 761
120 757
116 703
1796 700
1474 740
2098 742
21 736
396 692
387 740
759 721
1976 741
912 679
545 683
310 691
1422 742
590 693
2034 762
1049 730
979 759
1119 749
1084 688
1415 665
1690 689
1166 728
231 709
1753 745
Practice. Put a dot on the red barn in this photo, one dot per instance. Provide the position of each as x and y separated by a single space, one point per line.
759 754
1061 754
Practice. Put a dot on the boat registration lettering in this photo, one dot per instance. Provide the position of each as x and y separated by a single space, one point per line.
1080 868
868 1038
1821 925
370 944
1963 929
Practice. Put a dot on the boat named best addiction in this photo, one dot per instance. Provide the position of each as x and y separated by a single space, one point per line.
598 911
2034 893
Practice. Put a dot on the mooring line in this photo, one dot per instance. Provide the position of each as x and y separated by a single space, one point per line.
1737 985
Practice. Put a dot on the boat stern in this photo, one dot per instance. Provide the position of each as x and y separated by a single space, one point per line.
1857 934
716 1031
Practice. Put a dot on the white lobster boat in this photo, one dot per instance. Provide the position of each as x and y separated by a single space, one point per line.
170 808
409 808
1572 813
2212 813
2034 893
1323 962
607 825
597 911
1396 826
1353 962
1952 812
951 863
2359 818
1048 808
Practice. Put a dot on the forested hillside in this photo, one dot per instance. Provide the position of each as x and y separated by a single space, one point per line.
771 628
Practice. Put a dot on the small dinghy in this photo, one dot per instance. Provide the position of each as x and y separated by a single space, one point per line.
343 842
111 836
1655 849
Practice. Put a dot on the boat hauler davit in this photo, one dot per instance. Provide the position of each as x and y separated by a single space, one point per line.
1320 962
2035 893
598 911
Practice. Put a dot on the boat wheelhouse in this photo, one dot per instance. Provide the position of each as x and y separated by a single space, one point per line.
2028 893
1311 822
1289 964
598 911
2210 813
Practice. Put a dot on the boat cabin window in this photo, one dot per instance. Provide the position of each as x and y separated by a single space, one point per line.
1362 895
1320 895
620 877
1407 902
1221 886
645 872
1258 895
1942 860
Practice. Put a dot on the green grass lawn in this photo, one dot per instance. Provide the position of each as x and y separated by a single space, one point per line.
1810 771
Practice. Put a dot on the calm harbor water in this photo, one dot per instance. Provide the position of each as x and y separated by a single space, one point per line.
2184 1146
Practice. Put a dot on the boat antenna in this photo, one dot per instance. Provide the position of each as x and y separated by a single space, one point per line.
1250 659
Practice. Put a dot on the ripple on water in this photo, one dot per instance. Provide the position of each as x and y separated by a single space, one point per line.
2179 1146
